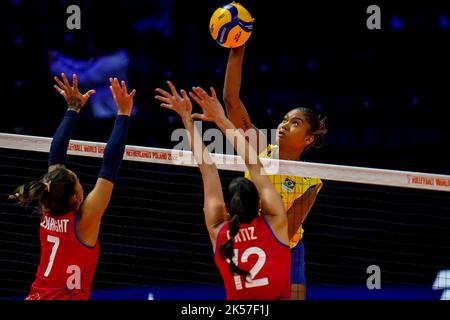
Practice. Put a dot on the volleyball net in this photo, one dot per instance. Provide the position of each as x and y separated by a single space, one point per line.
365 223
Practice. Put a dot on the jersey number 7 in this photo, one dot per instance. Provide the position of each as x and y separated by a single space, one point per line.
55 241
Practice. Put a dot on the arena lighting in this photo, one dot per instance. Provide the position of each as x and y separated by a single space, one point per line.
443 21
396 23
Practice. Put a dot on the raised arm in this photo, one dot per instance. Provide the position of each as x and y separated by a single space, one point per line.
98 199
270 199
214 206
236 111
75 101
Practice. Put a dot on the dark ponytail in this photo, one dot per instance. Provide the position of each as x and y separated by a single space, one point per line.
242 201
54 192
29 192
227 249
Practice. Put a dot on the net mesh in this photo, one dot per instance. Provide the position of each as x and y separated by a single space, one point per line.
404 232
154 243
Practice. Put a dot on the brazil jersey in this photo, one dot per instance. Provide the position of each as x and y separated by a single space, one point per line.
289 187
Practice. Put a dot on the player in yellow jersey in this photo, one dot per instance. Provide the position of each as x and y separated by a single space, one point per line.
299 130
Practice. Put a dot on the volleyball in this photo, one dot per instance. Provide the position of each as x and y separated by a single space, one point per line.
231 25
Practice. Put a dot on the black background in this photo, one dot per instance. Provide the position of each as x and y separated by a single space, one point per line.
383 91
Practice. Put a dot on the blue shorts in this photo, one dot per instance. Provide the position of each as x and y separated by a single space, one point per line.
298 264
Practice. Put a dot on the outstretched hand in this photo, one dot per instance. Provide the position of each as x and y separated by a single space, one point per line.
212 108
173 101
75 100
124 101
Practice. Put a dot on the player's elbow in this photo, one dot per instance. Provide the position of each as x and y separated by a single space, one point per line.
227 98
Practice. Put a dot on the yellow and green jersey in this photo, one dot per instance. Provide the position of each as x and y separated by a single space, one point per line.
290 188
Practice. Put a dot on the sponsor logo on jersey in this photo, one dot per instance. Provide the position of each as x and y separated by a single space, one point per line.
288 185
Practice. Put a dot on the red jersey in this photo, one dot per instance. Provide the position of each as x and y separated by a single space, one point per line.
67 266
257 250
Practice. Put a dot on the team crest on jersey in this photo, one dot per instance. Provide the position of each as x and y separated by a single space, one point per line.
288 185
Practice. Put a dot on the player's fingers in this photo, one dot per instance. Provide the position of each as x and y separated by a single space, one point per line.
124 88
61 91
184 95
66 82
116 85
213 92
197 99
163 99
113 93
201 93
172 89
163 92
59 82
75 81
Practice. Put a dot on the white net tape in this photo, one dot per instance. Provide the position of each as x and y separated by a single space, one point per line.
341 173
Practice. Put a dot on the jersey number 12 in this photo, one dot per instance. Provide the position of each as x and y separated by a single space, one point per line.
254 271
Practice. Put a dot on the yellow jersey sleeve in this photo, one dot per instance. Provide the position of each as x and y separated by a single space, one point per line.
290 188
